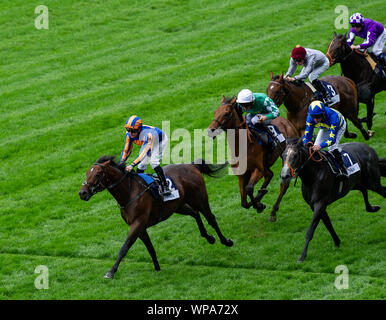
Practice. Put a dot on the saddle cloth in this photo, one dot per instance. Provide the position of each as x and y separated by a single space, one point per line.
154 182
274 132
331 90
350 162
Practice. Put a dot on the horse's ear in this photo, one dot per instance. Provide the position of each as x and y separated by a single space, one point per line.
233 100
106 163
334 34
345 36
271 75
300 142
281 77
222 99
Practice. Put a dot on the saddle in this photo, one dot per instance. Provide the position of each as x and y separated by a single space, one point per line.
155 186
330 89
265 134
350 162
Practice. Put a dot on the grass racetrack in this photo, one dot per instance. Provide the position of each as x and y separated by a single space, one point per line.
65 95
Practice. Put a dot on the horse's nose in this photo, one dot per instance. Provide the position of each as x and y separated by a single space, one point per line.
83 195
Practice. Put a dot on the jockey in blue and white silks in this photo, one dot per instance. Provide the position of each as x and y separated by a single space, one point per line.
153 142
332 126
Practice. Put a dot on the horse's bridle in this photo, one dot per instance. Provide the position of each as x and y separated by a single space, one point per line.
99 185
331 60
228 118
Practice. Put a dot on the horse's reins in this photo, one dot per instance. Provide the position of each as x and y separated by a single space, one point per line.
331 60
295 172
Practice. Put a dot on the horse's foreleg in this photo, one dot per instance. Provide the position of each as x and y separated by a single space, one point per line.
135 229
243 192
319 208
263 189
144 236
283 190
255 177
370 114
327 222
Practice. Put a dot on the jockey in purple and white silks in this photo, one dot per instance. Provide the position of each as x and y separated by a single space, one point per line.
314 64
153 142
372 31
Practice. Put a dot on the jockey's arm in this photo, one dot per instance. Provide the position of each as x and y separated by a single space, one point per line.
292 68
306 70
308 134
127 148
351 37
370 40
147 145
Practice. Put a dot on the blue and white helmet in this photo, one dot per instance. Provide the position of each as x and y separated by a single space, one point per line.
357 18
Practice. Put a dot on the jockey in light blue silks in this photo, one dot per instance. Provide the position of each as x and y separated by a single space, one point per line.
372 31
332 127
153 142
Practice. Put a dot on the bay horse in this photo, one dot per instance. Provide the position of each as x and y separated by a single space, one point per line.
140 210
321 187
355 66
297 96
259 158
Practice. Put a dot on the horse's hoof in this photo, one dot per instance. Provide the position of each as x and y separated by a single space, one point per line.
260 207
371 133
300 261
228 242
351 135
373 208
272 219
211 239
109 275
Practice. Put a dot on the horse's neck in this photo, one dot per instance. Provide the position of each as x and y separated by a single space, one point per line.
352 67
309 174
291 100
121 191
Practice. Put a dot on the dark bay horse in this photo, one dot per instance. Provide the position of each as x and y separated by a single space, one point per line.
320 187
355 66
259 158
139 208
297 96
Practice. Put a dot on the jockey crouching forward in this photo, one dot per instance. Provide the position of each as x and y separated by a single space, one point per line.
261 111
314 64
153 142
332 127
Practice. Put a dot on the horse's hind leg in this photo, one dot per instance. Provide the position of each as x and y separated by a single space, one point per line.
263 189
369 207
204 208
327 222
187 210
349 135
255 177
144 236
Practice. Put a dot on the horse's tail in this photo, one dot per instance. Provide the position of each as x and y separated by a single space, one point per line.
382 166
212 170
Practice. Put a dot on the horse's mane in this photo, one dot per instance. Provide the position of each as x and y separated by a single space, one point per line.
113 163
298 83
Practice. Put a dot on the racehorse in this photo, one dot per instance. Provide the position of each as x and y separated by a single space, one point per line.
141 210
259 158
355 66
297 96
320 187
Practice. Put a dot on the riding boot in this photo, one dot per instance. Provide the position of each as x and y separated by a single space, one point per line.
140 170
164 186
338 157
320 88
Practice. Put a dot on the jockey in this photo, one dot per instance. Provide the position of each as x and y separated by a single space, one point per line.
372 31
153 142
314 64
332 127
261 110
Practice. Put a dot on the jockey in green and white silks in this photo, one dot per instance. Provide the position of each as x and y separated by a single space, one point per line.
260 108
332 126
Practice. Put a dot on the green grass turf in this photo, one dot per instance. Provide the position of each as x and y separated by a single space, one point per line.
65 95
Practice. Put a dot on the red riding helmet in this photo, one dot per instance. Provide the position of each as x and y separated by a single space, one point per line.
298 52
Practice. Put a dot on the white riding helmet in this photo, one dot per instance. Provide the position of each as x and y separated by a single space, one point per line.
245 96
